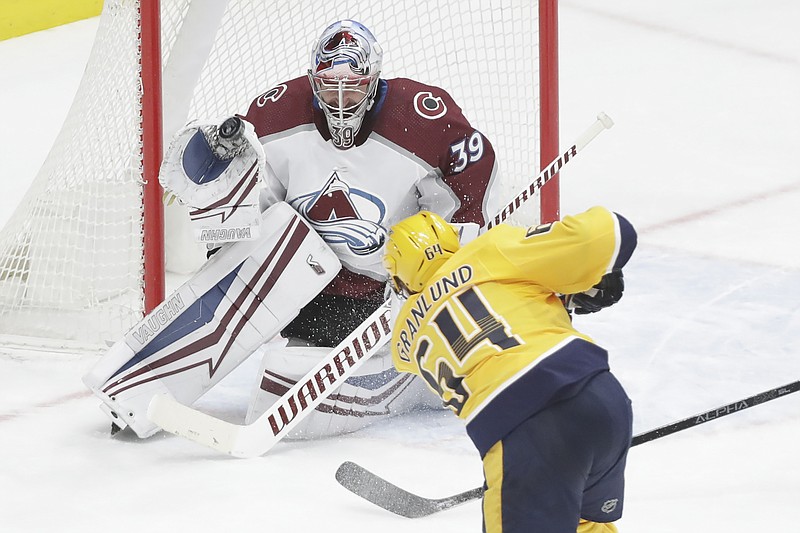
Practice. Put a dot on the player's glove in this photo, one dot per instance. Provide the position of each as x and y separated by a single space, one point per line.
604 294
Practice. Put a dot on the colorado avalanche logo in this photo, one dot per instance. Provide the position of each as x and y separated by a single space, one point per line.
272 95
428 106
335 212
344 45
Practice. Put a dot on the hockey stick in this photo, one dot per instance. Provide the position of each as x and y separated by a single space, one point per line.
258 437
382 493
602 123
377 490
262 434
714 414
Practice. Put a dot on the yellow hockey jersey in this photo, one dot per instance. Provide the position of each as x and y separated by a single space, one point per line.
489 333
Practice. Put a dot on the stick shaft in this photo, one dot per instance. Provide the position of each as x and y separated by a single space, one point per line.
602 123
365 484
713 414
256 438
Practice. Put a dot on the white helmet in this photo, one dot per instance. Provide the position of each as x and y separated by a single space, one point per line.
345 67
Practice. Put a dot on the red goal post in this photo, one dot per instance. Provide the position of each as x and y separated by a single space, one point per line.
153 258
83 256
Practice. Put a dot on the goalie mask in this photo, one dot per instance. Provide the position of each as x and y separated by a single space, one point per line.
416 248
345 67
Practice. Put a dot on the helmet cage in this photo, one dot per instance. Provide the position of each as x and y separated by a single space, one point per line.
344 75
345 102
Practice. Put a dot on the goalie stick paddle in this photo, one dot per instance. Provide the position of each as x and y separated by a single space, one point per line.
382 493
263 433
256 438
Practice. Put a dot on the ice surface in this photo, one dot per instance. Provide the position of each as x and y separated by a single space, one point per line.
702 160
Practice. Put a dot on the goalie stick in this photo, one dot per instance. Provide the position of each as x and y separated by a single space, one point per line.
602 123
382 493
284 415
256 438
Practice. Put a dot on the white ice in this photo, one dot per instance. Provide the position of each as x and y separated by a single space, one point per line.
702 159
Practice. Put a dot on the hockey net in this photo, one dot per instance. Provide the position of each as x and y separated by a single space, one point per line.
72 256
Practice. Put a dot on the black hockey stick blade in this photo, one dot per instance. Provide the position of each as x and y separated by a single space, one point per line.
382 493
377 490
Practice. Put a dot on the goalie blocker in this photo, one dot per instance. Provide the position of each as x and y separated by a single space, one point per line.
213 322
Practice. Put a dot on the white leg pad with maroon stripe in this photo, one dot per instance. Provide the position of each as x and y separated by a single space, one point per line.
376 392
242 297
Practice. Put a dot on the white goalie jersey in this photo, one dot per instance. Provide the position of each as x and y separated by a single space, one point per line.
415 150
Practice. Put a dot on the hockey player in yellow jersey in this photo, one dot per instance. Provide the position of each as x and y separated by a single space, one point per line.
486 327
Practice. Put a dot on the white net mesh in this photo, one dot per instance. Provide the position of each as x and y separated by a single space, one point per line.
71 255
483 52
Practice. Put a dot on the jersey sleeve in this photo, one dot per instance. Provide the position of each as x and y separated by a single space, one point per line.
274 190
425 121
283 107
468 166
571 255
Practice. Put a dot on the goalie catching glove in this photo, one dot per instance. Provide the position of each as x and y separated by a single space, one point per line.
216 168
604 294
